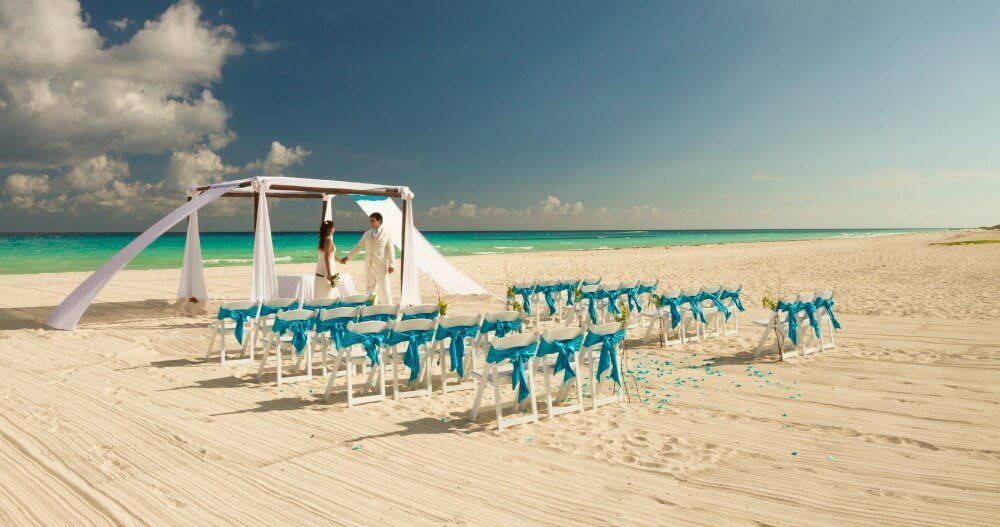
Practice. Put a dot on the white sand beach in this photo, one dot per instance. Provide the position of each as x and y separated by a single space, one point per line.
122 422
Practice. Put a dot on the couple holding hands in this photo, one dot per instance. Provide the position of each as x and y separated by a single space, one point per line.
380 259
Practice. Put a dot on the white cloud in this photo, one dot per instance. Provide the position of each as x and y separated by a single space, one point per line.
26 185
70 98
196 166
554 206
120 24
281 157
445 209
263 45
96 173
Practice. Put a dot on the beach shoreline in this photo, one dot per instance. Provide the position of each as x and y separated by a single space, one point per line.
123 422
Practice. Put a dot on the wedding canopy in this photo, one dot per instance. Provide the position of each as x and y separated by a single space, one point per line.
416 252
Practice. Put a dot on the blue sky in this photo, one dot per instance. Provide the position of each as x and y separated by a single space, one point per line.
523 114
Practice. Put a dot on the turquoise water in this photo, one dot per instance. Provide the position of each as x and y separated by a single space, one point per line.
47 253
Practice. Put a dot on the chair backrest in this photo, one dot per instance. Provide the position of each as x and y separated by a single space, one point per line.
460 320
547 283
354 299
589 288
628 285
340 312
524 285
382 309
690 291
731 288
372 326
824 295
673 293
281 303
591 281
807 297
321 303
506 316
605 329
649 283
421 309
295 314
714 289
789 299
239 305
514 341
414 324
569 333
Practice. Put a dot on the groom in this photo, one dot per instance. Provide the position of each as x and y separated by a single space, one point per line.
380 258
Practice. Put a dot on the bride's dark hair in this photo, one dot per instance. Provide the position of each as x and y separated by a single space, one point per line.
324 231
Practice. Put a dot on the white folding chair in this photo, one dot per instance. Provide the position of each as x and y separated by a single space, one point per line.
395 354
490 320
443 340
354 355
688 317
587 298
317 304
713 315
591 358
546 363
501 372
355 300
567 311
807 337
282 343
667 321
734 312
824 316
524 293
220 329
777 326
345 315
268 308
539 304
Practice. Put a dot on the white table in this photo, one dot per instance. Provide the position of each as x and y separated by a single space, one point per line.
301 286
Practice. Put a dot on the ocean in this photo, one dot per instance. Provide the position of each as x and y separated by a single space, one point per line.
53 253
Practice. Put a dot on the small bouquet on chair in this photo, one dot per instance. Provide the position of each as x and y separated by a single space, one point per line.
334 280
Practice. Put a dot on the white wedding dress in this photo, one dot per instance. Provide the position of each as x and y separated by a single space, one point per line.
321 285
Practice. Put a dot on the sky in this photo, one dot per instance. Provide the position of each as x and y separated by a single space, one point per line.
505 115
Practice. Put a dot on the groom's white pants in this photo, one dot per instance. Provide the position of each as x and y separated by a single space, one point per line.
378 282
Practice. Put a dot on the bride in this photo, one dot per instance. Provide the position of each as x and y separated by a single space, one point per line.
326 263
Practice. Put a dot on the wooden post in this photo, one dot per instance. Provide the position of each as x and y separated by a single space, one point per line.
256 202
322 217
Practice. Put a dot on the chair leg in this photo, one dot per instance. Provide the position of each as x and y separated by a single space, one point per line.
393 354
498 407
263 360
333 375
479 395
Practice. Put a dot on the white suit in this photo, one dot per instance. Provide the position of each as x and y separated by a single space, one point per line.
380 255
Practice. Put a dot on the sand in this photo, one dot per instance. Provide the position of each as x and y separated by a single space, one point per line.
122 421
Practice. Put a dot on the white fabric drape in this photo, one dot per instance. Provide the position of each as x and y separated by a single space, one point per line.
423 255
193 272
264 280
410 290
328 215
67 314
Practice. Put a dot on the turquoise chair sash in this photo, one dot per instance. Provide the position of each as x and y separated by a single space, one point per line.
414 340
426 316
694 302
381 317
735 295
612 296
793 323
570 288
715 301
525 293
336 326
299 329
675 312
827 303
810 310
266 310
592 297
608 357
591 282
547 292
519 358
239 317
370 341
456 348
566 350
633 299
366 302
500 328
